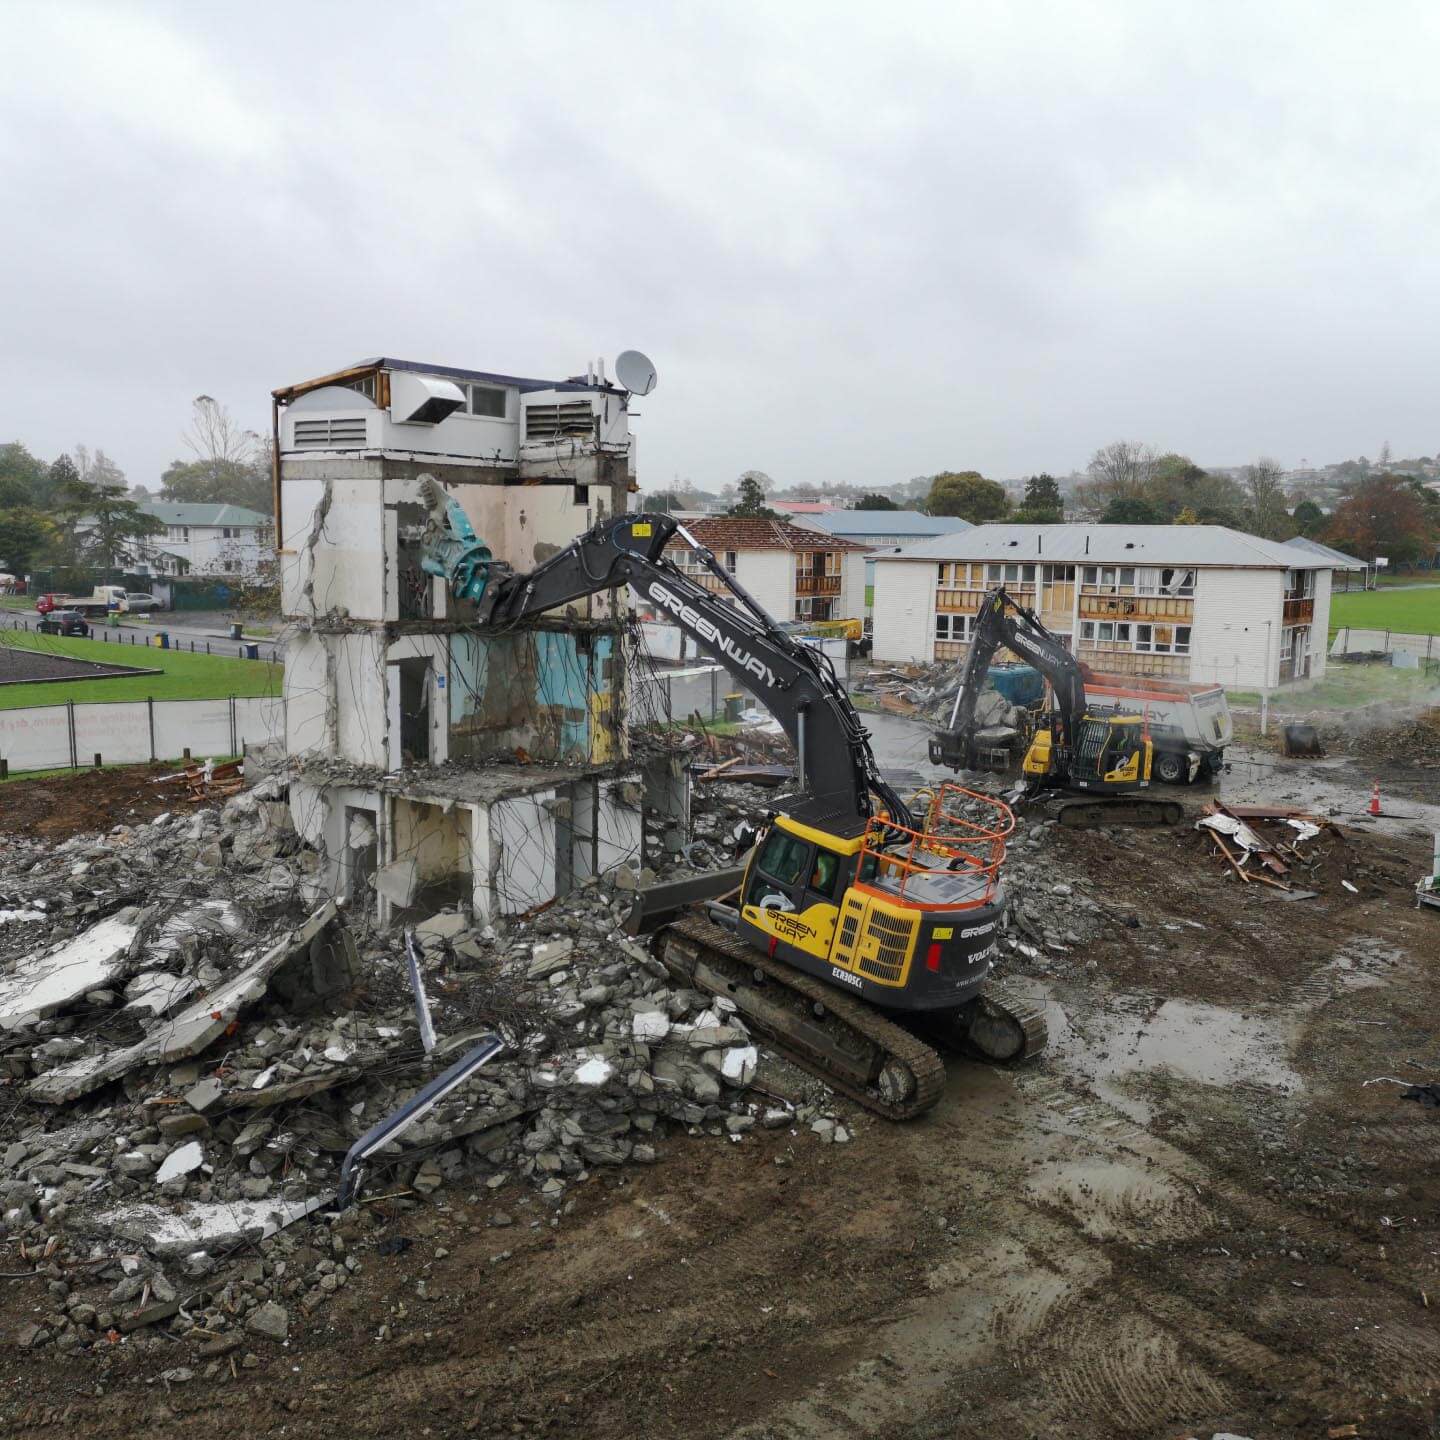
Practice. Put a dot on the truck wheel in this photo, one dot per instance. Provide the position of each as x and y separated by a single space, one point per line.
1170 767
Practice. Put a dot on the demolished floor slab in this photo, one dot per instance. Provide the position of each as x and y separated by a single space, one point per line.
189 1032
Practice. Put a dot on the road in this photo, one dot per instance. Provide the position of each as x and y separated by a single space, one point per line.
187 629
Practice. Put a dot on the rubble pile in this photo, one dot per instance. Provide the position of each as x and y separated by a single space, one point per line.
192 1038
1379 734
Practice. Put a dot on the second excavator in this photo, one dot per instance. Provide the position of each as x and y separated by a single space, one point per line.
1106 758
859 937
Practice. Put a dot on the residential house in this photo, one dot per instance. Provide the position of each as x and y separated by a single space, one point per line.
1188 602
884 530
795 573
201 539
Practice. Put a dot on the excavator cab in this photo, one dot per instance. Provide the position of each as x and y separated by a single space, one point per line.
905 918
1110 753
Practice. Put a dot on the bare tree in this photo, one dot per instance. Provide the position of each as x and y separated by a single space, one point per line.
1122 470
215 437
1266 508
760 478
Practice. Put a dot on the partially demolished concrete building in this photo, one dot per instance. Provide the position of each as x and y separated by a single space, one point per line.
431 762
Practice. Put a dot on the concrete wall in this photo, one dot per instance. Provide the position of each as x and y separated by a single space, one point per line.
1230 636
131 732
904 623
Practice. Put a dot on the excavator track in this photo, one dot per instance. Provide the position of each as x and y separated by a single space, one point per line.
1120 810
844 1044
847 1043
1004 1029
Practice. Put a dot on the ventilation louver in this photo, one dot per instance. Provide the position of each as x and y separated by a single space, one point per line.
569 420
330 432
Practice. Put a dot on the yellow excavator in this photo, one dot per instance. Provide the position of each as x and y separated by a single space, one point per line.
858 936
1104 757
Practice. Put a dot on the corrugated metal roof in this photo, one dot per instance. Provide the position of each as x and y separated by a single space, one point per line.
1342 561
1207 546
754 532
185 512
902 524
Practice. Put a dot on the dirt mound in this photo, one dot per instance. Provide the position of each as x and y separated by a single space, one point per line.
1413 740
81 802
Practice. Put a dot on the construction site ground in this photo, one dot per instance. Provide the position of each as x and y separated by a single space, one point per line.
1193 1215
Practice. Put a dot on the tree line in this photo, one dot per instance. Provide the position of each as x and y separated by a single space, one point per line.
1127 483
79 508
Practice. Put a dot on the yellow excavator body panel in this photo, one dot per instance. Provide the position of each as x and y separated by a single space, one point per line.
1037 757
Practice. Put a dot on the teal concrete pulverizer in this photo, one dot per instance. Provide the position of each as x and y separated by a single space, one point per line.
452 550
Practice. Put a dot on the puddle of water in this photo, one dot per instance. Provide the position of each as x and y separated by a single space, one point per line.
1206 1044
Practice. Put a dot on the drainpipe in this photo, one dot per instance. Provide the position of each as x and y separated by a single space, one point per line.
1265 687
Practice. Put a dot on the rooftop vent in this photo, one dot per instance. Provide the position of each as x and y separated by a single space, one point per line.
423 399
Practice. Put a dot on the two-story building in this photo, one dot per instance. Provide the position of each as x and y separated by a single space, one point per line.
1187 602
795 573
209 539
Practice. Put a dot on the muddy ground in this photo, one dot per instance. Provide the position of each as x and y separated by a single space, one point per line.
1192 1215
82 802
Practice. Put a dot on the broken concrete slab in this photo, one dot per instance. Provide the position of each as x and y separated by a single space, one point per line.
156 992
180 1161
168 1233
43 983
192 1030
202 1096
445 925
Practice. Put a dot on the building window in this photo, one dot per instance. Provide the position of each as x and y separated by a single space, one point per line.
1299 584
1058 574
731 560
1162 639
952 627
1157 580
486 400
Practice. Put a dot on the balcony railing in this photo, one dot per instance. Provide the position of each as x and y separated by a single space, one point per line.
817 584
1299 612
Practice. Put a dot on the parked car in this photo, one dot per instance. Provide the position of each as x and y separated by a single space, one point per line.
64 622
141 600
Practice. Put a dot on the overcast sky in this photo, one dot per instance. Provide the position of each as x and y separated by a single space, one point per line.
860 243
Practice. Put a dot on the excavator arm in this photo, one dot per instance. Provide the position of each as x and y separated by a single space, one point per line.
795 682
999 621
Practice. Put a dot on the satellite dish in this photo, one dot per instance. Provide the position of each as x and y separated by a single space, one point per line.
635 372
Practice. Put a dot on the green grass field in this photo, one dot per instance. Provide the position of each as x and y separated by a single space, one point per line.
1344 688
185 677
1415 611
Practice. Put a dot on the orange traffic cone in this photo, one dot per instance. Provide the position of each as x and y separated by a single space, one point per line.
1375 799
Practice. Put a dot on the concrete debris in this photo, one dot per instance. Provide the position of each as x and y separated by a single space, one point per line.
43 983
196 1042
270 1320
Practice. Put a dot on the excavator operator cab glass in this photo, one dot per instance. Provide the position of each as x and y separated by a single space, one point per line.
824 873
785 857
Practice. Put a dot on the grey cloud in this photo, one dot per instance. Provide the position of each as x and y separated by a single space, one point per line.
860 245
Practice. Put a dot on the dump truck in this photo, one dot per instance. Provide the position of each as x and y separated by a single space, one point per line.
1189 723
100 601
